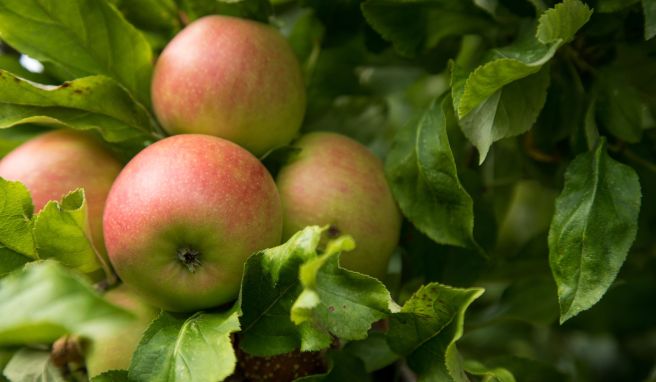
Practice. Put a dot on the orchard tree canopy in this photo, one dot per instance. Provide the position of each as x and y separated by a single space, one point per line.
518 139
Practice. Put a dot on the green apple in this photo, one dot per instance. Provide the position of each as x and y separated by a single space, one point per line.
58 162
113 351
183 216
336 181
232 78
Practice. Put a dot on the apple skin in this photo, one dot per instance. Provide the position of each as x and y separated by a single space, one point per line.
113 351
232 78
55 163
336 181
184 215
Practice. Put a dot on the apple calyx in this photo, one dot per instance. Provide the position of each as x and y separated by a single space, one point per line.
190 258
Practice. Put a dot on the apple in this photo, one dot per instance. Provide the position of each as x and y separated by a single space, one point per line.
55 163
232 78
113 351
183 216
336 181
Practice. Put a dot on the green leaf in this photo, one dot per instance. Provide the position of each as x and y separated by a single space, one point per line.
45 301
16 218
275 159
12 138
489 6
305 33
334 74
524 369
374 351
197 348
29 365
318 304
620 107
269 288
529 213
259 10
458 80
609 6
511 111
152 15
342 367
422 173
489 374
62 232
427 328
88 103
5 357
649 9
510 64
486 116
335 301
417 26
10 261
83 37
11 63
518 301
593 227
112 376
564 107
560 23
363 118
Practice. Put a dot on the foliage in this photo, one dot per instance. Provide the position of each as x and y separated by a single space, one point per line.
518 139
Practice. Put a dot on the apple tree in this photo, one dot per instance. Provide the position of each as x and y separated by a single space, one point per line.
426 190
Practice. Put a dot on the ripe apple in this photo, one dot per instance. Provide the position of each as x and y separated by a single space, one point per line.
113 351
232 78
336 181
55 163
183 216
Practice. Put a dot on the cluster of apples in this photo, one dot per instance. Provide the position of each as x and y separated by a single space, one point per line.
180 219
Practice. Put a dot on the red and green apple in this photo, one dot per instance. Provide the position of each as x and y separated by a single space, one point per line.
183 216
55 163
336 181
232 78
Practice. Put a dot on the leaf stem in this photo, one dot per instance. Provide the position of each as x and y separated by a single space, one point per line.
539 5
590 125
469 51
578 84
636 158
578 61
157 132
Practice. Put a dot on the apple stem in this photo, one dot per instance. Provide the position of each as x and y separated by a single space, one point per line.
110 276
333 231
190 258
